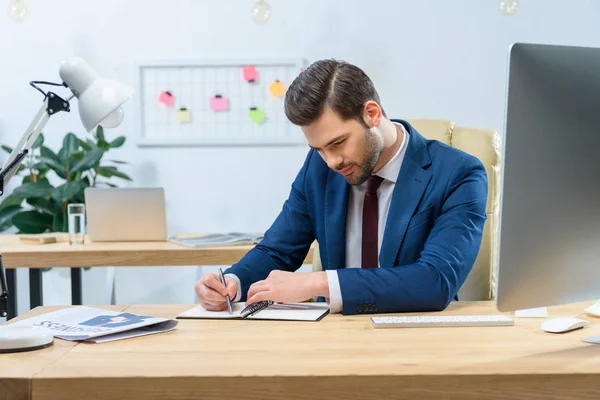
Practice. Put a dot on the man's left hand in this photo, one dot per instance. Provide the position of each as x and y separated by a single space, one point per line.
289 287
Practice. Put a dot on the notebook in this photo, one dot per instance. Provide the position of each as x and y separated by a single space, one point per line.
275 312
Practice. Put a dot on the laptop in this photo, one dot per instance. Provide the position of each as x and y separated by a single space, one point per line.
125 214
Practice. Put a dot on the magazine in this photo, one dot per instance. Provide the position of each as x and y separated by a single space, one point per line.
218 239
88 324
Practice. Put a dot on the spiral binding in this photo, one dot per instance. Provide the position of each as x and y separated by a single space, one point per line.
256 307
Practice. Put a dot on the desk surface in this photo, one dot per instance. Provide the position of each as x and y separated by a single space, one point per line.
16 254
340 357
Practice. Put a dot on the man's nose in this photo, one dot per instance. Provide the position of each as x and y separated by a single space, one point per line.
334 161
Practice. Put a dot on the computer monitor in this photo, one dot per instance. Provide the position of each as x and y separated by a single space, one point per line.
549 248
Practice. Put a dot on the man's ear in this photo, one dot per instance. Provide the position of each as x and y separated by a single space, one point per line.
372 113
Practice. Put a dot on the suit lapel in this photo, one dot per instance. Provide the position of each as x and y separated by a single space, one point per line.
408 192
336 207
409 189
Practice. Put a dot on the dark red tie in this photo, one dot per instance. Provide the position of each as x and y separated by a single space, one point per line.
370 224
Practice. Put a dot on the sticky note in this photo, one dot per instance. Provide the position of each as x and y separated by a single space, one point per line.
257 115
219 103
166 98
277 88
250 74
183 115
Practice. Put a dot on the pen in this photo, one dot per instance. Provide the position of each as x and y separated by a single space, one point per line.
227 296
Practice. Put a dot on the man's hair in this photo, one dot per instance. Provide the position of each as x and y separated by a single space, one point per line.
343 87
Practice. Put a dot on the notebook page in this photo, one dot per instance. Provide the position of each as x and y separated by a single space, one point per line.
293 312
201 312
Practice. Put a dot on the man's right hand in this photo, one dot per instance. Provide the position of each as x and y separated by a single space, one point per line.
211 292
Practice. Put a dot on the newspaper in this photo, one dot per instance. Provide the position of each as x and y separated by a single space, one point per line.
88 324
218 239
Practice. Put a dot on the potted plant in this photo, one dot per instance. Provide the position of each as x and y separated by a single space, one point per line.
39 206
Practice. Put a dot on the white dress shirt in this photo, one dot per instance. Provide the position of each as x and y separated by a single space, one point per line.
389 172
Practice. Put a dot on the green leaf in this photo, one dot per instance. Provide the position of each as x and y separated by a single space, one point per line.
88 161
34 189
6 215
70 145
112 171
100 134
38 141
78 155
118 142
118 162
32 221
49 158
84 145
46 205
66 191
7 149
10 201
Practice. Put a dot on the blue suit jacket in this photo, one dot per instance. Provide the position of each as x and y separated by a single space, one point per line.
431 240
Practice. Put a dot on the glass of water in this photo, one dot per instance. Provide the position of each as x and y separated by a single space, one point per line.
76 215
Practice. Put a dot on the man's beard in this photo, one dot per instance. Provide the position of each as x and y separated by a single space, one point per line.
373 149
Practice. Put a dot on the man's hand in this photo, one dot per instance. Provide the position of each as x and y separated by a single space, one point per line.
289 287
211 292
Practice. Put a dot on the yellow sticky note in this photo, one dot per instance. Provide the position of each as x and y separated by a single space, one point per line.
277 88
257 115
183 115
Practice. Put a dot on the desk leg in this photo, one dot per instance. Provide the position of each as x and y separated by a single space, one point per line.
36 293
11 282
76 296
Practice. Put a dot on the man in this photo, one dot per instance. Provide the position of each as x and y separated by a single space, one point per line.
398 218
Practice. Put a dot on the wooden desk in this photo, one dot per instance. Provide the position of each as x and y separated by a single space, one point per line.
340 357
37 256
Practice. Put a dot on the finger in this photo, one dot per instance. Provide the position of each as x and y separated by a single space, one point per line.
232 288
211 295
260 296
256 287
213 282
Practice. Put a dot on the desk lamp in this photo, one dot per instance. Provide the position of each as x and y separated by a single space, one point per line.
100 103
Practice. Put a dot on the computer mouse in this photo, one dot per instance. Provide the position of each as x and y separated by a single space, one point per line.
563 324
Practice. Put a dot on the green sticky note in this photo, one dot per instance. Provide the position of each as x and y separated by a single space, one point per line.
257 115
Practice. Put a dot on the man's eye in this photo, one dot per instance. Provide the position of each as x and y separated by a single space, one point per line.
338 143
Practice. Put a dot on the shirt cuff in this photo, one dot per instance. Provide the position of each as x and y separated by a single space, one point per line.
335 293
238 295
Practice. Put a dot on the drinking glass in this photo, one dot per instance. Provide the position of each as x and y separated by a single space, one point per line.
76 215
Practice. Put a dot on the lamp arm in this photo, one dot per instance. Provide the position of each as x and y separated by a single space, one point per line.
51 105
33 130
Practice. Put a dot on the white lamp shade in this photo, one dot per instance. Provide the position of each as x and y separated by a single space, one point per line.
100 99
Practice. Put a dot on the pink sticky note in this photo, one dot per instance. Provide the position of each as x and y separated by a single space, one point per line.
250 74
166 98
219 103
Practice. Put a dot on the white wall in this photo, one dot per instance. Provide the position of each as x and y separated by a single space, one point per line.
428 58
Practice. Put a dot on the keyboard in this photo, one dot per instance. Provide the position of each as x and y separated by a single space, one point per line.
441 321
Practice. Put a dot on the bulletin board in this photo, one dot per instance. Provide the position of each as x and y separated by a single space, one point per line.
215 102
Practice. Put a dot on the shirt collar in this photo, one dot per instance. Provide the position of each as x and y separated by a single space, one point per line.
391 169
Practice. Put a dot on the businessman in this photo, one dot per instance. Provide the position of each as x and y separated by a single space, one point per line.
398 218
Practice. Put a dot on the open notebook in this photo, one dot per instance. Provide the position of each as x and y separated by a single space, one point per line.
277 312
